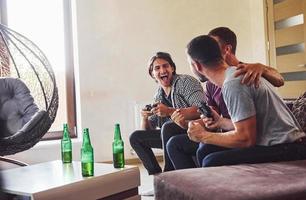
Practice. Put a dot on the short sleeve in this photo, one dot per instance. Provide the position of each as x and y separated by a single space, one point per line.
238 100
209 95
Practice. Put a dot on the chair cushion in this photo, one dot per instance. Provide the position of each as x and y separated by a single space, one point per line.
23 134
17 106
299 110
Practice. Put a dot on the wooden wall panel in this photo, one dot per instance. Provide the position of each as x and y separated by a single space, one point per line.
292 89
291 58
287 9
290 62
289 36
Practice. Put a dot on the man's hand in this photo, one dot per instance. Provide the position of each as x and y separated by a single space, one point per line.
252 72
145 114
179 119
196 132
162 110
145 124
213 123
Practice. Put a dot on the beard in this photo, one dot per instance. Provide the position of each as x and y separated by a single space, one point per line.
200 76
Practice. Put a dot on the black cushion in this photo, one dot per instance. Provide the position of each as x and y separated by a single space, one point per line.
17 106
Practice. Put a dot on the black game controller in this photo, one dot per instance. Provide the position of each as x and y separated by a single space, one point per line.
149 107
205 110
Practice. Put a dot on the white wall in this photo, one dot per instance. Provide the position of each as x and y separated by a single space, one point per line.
115 40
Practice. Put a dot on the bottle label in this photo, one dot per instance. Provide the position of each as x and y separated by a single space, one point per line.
87 156
67 157
118 149
66 146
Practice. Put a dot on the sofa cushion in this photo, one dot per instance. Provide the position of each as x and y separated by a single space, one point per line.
17 106
299 110
268 181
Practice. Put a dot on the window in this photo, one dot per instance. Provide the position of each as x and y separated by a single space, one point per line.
48 24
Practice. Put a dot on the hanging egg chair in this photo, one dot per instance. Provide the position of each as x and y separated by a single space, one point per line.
28 93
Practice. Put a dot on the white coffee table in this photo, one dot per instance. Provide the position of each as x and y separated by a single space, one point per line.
54 180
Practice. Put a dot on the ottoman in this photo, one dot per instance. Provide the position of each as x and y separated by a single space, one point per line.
268 181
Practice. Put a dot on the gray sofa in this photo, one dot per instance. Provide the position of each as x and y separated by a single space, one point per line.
267 181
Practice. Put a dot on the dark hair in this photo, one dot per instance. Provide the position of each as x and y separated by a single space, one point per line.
205 50
162 55
226 35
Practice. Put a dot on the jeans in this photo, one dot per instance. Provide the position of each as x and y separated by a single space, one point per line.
182 151
211 155
142 141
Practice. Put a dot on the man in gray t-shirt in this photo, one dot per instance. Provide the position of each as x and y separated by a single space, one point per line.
275 123
264 128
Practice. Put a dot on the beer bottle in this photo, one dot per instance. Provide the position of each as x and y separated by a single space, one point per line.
66 146
118 149
87 155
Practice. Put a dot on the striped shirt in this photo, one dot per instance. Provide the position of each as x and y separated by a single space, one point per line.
186 92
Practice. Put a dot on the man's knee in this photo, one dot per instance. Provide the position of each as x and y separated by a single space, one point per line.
171 144
212 160
168 130
135 137
201 153
175 144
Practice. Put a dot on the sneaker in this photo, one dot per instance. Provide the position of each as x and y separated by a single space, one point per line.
149 193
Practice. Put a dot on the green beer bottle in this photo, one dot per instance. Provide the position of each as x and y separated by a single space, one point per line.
118 149
87 155
66 146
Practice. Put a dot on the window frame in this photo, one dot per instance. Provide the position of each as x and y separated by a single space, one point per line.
69 69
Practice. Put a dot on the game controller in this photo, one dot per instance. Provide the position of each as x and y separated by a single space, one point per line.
205 110
149 107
